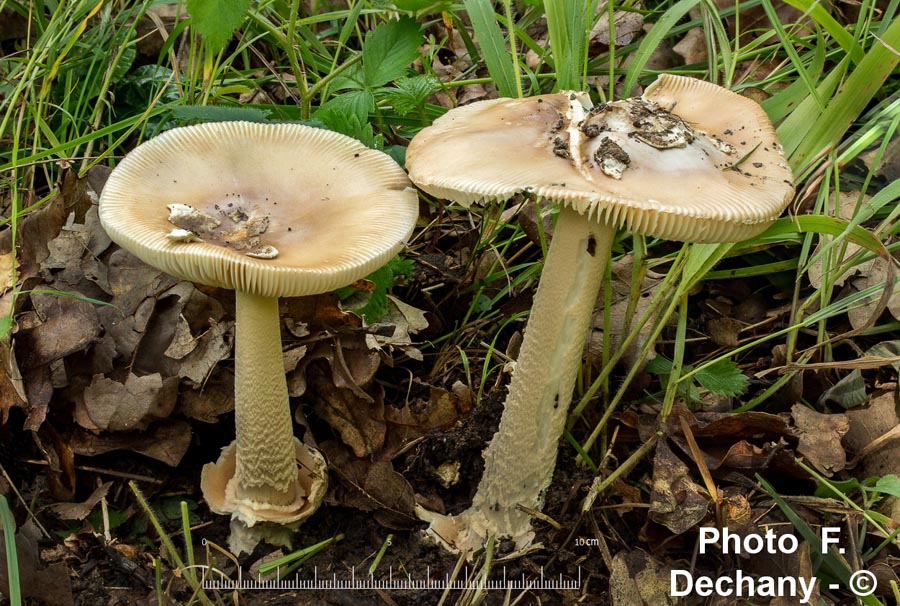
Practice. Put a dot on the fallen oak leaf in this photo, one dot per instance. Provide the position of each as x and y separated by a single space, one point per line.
166 441
115 406
360 423
12 386
676 501
59 326
372 486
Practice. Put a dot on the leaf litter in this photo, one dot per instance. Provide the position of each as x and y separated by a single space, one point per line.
386 426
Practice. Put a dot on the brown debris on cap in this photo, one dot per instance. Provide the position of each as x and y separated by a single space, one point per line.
279 217
687 161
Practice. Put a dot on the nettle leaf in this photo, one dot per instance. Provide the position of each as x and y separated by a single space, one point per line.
410 93
723 378
348 114
217 20
388 49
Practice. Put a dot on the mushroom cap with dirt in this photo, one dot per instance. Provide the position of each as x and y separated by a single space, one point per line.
267 210
687 161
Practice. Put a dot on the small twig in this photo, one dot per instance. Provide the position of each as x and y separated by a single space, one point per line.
24 503
108 472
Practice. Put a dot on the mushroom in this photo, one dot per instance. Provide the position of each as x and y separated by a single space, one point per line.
687 161
269 211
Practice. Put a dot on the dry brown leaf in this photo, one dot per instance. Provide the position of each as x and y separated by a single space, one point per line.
166 441
636 579
61 326
292 357
861 276
867 424
441 409
113 406
213 346
79 511
406 320
372 486
692 48
676 501
41 225
626 25
12 388
724 332
820 438
39 389
183 342
214 398
359 422
8 264
12 24
350 362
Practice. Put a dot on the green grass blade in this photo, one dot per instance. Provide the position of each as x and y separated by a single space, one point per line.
835 565
493 48
568 24
820 15
652 40
783 103
831 226
12 558
788 42
852 98
802 109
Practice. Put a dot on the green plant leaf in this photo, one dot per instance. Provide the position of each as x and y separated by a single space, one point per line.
493 48
889 484
837 31
217 20
410 93
218 113
830 562
422 7
388 50
846 487
348 114
383 278
723 378
6 323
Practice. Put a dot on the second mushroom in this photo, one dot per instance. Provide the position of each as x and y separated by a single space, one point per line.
687 161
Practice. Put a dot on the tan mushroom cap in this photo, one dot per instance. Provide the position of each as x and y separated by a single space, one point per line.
336 209
726 184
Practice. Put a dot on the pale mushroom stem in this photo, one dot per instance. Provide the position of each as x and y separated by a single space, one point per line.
520 459
266 467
